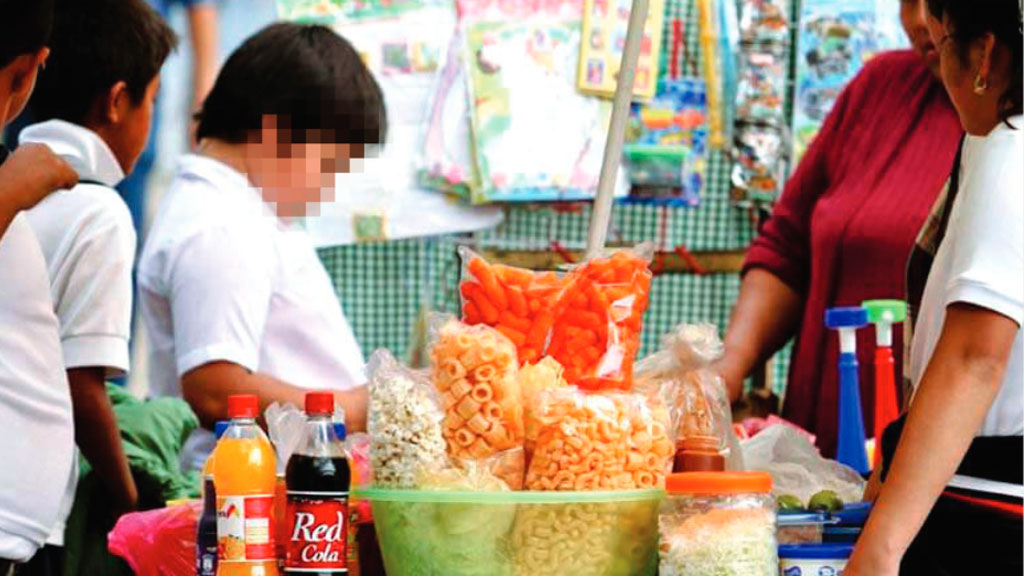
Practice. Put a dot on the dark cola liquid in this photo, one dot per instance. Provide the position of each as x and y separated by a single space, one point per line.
318 522
318 474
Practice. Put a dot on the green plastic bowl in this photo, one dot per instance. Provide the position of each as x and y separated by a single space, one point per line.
428 533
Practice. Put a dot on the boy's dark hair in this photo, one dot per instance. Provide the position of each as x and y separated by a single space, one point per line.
24 27
96 44
308 77
970 20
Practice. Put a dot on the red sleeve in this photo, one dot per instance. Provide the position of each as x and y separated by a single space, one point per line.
783 245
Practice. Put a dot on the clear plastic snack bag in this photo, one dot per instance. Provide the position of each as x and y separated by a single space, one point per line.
476 374
599 319
517 302
600 441
404 423
702 413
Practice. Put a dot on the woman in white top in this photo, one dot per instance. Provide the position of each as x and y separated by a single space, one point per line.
951 498
232 292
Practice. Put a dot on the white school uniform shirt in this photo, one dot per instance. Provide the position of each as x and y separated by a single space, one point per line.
88 240
981 262
222 279
37 435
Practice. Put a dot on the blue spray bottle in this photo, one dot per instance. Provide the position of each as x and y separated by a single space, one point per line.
851 448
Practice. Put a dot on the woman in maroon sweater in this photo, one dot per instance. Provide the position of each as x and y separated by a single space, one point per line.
844 227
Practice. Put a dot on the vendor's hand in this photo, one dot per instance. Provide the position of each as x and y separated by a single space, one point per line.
32 172
733 380
867 561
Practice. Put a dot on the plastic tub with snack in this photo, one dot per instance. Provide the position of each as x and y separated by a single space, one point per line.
457 533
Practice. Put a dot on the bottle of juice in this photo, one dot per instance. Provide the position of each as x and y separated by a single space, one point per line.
244 471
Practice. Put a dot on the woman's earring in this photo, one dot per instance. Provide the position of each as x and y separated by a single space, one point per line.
980 85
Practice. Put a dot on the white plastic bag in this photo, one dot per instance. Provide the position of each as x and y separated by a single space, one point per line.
796 466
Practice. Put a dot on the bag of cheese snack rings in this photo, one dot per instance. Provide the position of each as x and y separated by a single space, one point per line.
534 379
599 318
475 372
600 441
517 302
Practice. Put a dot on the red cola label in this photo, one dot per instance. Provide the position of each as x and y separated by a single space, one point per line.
318 531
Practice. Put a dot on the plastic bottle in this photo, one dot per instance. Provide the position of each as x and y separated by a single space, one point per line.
206 532
218 430
883 314
850 448
318 478
244 470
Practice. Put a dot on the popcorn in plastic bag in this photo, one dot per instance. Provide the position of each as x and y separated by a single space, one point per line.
404 423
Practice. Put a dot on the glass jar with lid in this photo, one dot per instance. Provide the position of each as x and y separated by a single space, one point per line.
720 523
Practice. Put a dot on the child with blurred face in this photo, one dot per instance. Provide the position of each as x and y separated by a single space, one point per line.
233 296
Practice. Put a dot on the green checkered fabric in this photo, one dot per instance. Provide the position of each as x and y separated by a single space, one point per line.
385 287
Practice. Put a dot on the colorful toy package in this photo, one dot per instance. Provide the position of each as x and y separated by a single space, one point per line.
667 139
597 328
535 138
447 163
764 21
604 39
836 39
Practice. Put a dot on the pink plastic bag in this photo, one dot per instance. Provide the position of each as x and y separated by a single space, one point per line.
158 542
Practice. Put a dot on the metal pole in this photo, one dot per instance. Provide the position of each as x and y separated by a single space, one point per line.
602 208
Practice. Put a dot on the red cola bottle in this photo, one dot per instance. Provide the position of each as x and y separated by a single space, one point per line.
318 478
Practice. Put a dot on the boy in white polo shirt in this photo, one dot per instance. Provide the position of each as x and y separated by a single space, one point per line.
36 431
233 295
95 101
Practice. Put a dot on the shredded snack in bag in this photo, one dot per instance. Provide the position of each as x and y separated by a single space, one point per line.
599 318
404 423
517 302
599 441
475 371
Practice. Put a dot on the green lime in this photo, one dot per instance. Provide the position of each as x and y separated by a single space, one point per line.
825 501
789 503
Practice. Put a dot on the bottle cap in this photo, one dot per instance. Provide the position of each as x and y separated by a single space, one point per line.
889 311
846 317
711 483
319 403
220 428
243 406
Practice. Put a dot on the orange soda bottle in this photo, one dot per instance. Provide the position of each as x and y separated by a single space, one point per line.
244 469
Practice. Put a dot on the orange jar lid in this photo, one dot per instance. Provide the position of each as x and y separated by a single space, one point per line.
711 483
